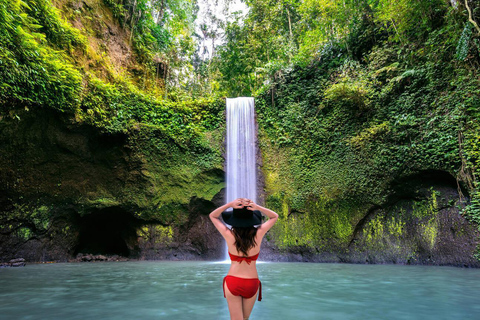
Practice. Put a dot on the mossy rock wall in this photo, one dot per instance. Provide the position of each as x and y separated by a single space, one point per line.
69 189
419 223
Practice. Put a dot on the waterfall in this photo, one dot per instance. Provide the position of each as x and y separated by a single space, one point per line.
241 160
241 163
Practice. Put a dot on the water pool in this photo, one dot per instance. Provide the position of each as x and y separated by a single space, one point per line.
193 290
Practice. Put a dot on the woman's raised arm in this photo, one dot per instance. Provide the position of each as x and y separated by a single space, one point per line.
273 217
215 215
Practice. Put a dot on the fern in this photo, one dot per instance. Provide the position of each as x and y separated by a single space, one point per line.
463 42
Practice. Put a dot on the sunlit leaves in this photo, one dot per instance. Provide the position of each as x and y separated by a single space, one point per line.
409 19
58 31
31 72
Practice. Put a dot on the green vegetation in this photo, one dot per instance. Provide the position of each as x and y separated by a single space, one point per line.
63 59
365 92
156 234
351 96
33 72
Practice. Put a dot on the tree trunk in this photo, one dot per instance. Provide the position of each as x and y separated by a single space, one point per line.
470 17
161 12
289 24
132 18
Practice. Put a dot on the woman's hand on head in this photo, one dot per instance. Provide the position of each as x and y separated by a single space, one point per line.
252 205
237 203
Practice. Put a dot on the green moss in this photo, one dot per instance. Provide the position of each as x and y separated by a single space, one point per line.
427 208
41 217
426 213
168 184
101 203
430 232
319 226
66 230
24 233
156 234
375 230
396 227
387 232
380 229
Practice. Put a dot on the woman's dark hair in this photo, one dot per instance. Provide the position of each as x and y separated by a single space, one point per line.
244 238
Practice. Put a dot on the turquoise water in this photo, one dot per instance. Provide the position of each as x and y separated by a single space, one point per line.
193 290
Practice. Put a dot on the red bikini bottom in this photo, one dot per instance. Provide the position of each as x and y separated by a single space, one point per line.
243 287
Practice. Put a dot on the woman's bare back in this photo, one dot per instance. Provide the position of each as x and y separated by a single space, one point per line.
241 268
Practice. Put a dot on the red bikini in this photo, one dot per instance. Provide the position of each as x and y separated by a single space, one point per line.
244 287
240 258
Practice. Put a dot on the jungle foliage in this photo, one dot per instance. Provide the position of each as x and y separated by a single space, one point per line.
40 68
350 94
371 91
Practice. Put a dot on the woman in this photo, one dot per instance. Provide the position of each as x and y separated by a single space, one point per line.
241 285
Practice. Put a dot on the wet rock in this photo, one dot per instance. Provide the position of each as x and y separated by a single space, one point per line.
100 258
18 262
88 257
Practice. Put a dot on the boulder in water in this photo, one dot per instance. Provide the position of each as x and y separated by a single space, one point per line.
18 262
88 257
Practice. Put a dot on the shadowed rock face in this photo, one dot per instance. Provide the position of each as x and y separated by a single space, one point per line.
115 232
68 189
423 227
108 231
419 224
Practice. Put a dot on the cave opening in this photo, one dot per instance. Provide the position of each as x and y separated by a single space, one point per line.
108 231
408 186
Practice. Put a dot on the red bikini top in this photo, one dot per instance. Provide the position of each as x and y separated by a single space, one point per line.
240 258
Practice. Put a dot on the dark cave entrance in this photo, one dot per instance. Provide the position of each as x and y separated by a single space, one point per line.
108 231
